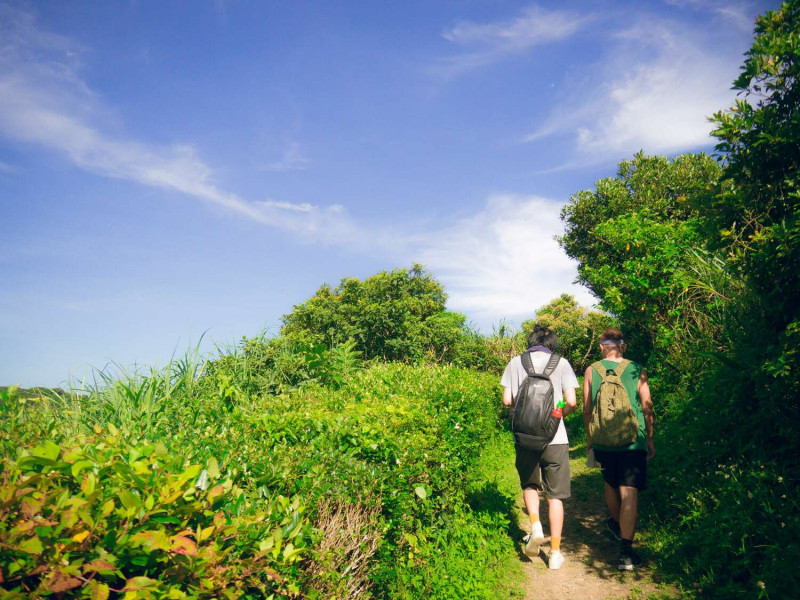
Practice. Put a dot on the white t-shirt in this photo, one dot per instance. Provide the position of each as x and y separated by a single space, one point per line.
562 377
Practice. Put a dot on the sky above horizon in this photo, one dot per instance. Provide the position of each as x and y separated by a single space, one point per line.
172 172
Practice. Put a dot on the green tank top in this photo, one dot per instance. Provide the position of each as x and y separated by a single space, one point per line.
630 379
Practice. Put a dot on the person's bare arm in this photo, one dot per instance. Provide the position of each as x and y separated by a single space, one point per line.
507 399
649 416
587 404
571 401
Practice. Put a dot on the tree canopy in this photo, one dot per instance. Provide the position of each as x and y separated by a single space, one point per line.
393 315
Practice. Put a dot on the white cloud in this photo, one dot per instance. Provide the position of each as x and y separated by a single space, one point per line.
504 261
486 43
44 101
655 92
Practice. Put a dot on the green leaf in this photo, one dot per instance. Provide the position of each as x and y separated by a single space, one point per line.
88 484
31 546
80 466
166 519
129 500
48 451
139 583
213 468
420 491
99 591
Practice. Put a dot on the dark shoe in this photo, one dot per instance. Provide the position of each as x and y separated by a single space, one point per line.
613 527
628 559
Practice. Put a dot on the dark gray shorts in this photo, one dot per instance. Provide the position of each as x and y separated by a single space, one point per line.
547 470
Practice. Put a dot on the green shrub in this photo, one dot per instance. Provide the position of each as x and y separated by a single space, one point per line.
107 515
395 315
380 455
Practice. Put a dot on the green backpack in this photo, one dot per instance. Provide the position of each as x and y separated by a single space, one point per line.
613 421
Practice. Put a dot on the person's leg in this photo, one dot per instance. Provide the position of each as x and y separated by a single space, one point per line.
530 479
555 477
611 494
555 514
609 464
633 477
628 511
531 498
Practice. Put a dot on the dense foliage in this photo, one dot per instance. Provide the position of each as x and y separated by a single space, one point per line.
180 484
700 262
395 315
636 237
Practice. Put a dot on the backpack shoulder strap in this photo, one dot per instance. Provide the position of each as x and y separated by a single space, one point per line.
552 363
527 363
622 366
600 369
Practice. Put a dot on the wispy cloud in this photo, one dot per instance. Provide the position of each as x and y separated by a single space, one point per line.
45 102
738 13
504 261
291 160
486 43
655 92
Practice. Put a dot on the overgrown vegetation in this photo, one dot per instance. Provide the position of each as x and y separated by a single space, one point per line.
700 260
180 484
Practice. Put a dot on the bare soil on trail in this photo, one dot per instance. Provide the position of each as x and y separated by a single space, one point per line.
590 571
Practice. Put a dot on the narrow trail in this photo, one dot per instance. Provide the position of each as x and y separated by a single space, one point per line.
590 571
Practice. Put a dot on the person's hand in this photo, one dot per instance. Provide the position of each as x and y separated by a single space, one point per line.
651 448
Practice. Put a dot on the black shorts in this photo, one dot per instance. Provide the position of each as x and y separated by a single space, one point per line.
627 468
546 470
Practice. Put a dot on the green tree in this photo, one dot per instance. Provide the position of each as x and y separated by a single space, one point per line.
578 328
393 315
757 222
637 239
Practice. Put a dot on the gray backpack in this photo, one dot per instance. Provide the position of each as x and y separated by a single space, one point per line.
532 423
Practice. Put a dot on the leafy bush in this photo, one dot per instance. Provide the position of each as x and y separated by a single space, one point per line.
104 516
356 473
396 315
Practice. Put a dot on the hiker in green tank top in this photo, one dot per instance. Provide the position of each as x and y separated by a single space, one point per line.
618 416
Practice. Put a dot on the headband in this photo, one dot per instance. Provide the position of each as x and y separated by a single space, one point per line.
612 342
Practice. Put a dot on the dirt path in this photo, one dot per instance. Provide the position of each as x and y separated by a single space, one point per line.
590 571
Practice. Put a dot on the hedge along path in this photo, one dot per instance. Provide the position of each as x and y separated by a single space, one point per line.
590 571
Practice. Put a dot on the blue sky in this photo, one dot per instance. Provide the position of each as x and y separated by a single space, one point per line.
169 169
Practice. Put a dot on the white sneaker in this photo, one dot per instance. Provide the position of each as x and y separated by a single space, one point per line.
534 539
555 560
